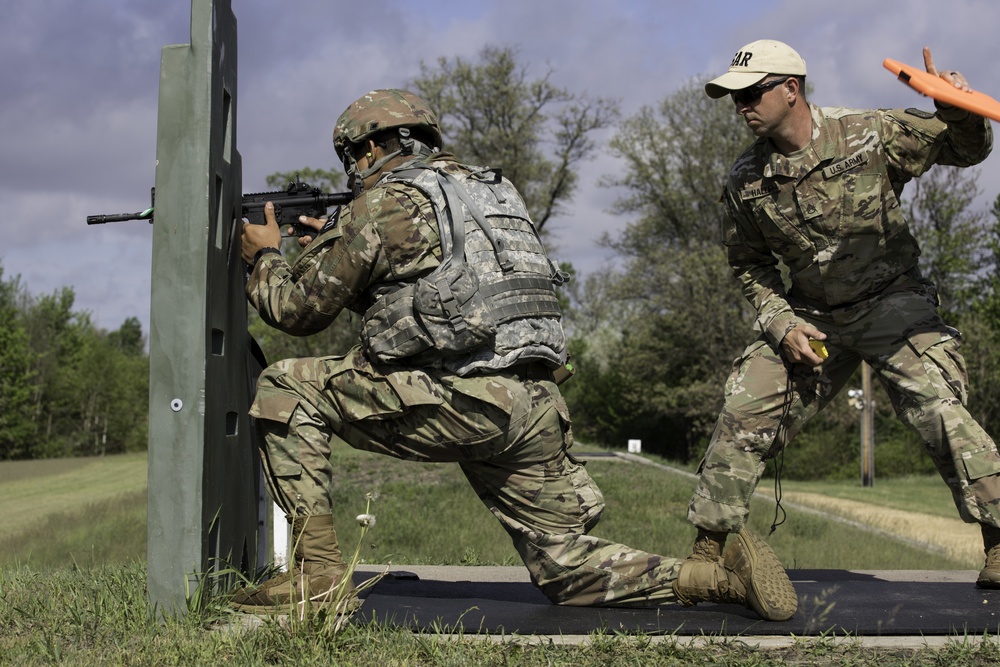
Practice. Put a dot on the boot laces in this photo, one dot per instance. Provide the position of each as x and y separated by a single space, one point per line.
993 557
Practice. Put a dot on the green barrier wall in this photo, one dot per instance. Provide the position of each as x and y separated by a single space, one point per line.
206 509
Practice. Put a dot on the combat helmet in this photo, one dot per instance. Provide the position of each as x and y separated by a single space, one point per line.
376 112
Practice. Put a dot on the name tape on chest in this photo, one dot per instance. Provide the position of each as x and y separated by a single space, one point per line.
758 190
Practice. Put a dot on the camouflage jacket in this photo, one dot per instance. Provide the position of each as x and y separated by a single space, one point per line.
386 235
388 238
831 211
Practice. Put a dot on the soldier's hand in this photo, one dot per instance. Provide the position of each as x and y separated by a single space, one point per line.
796 348
312 223
954 78
256 237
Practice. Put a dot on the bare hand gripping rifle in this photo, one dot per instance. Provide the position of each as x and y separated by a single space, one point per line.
297 199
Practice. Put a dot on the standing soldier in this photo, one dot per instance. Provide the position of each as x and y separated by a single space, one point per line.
819 190
461 333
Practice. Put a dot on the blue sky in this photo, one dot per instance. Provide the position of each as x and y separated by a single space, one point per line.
78 114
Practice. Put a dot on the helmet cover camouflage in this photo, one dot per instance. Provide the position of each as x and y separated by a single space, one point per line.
381 110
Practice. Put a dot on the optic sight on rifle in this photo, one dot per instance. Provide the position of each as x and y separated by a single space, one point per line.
297 199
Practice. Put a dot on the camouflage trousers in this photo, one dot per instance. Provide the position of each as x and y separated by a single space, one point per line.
511 436
915 357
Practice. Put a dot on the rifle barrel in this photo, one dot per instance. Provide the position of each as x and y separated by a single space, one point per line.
117 217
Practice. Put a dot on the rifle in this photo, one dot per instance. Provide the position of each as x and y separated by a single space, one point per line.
297 199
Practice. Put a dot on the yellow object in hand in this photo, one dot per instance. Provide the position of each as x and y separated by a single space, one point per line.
819 348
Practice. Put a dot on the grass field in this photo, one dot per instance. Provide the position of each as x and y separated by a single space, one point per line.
420 520
32 491
92 511
72 570
926 494
64 512
915 508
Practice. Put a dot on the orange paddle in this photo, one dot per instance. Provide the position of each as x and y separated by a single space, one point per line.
927 84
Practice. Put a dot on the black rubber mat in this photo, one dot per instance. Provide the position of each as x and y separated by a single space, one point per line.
830 602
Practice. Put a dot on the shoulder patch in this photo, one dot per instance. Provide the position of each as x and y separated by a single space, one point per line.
920 113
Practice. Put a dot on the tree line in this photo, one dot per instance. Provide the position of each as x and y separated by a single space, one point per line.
67 388
653 338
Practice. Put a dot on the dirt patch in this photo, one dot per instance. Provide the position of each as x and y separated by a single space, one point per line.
959 540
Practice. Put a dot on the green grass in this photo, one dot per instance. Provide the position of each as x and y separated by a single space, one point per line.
926 493
108 531
21 471
32 491
72 582
428 514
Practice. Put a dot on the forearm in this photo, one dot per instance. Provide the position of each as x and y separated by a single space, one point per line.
756 269
285 303
762 286
969 138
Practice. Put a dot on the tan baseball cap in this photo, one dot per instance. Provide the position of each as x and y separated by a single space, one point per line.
754 62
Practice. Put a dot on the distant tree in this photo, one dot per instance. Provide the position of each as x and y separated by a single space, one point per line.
128 338
686 318
48 320
676 157
953 236
492 112
66 387
17 368
114 418
980 327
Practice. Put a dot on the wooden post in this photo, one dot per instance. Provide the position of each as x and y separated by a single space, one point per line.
867 427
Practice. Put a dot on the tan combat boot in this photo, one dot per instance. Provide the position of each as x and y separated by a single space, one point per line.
749 574
989 576
315 575
708 546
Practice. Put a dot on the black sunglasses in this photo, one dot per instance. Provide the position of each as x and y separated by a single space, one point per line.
751 94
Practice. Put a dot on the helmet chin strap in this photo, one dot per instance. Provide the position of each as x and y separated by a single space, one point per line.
408 146
377 165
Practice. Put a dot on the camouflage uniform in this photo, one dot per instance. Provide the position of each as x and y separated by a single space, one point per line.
508 429
831 214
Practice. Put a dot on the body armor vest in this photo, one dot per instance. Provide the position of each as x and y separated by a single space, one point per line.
491 303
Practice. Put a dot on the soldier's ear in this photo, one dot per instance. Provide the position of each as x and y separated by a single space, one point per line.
792 88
